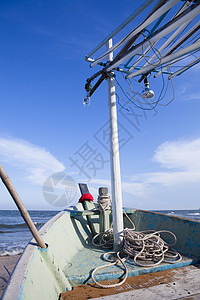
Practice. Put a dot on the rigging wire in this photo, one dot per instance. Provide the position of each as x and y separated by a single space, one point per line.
156 52
132 98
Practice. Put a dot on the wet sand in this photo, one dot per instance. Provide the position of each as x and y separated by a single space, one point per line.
7 264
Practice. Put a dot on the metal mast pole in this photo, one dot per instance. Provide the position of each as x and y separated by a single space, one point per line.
114 160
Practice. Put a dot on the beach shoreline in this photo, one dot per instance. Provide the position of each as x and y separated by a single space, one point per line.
7 264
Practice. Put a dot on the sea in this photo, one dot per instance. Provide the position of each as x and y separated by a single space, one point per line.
15 235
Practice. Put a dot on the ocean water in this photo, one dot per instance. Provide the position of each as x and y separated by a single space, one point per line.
193 214
14 233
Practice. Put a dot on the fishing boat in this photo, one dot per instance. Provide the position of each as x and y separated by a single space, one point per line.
102 246
70 258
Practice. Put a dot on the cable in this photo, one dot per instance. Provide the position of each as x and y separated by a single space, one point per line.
128 96
120 103
125 93
132 98
155 50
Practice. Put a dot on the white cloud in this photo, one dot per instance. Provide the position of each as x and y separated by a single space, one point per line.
36 161
169 178
100 182
182 161
183 155
193 96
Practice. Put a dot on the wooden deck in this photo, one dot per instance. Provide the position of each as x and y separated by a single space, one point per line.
181 283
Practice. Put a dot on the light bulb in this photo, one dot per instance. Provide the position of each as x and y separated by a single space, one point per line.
147 93
86 101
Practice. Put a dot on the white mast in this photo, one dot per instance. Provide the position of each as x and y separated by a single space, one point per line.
114 160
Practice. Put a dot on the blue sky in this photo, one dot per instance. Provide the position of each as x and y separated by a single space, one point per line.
44 126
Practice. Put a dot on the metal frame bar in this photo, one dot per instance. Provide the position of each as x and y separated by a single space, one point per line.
174 35
187 35
97 84
169 4
166 67
130 42
188 14
167 59
152 30
120 27
182 70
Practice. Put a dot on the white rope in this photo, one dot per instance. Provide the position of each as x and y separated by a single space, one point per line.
146 248
105 239
149 247
103 202
112 263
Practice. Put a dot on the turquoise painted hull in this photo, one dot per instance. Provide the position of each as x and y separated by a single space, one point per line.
70 257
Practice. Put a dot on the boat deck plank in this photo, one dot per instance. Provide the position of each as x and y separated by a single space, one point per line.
181 283
78 270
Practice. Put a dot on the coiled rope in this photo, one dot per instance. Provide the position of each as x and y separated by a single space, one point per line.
145 248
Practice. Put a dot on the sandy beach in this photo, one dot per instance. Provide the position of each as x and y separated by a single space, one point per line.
7 264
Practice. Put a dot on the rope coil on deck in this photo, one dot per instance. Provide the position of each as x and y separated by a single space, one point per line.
145 248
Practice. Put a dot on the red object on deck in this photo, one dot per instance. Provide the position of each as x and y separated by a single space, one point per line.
86 197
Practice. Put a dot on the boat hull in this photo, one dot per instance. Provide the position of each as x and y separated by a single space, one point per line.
70 256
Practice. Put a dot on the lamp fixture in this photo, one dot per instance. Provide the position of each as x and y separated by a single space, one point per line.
87 100
88 88
147 93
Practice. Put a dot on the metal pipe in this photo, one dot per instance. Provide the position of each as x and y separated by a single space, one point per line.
151 31
114 161
90 79
131 41
24 213
166 67
187 35
97 84
182 70
172 37
153 17
172 25
161 48
167 59
141 57
121 26
170 50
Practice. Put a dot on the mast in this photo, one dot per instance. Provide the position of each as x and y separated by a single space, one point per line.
114 159
138 43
